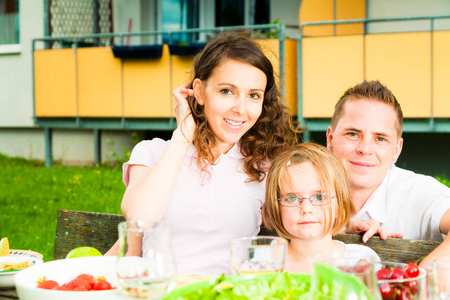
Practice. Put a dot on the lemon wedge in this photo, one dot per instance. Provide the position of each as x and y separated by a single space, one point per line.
4 247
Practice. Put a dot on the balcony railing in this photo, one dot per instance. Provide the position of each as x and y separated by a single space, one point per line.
413 62
84 85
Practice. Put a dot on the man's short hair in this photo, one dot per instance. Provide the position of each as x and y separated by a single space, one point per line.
373 91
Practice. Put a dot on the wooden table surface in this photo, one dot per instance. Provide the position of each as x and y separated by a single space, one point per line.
8 294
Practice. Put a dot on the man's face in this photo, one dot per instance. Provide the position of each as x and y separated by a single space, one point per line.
365 141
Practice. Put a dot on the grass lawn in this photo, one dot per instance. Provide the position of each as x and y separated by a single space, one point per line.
31 196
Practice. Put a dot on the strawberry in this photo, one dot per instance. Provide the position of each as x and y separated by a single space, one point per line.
102 285
79 284
88 278
48 284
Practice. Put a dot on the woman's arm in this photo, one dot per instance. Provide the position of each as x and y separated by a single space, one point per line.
149 190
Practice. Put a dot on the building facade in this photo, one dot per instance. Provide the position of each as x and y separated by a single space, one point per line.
74 89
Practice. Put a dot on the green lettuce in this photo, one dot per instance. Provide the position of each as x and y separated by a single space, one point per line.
277 286
326 283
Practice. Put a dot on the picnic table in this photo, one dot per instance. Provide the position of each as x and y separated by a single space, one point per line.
99 230
8 294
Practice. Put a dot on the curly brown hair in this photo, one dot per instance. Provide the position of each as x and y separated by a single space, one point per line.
273 130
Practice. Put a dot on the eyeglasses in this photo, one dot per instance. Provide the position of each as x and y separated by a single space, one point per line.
294 200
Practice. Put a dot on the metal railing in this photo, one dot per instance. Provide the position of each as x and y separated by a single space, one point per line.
74 40
124 123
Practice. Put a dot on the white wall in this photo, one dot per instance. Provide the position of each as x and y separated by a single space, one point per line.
407 8
287 11
71 146
142 13
16 104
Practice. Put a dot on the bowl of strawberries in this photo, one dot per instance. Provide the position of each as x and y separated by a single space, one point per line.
87 278
398 281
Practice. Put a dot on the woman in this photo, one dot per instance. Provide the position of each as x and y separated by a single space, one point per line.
208 180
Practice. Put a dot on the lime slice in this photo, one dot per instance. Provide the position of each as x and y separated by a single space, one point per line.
83 251
4 247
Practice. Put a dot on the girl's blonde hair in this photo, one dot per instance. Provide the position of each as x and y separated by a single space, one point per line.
333 181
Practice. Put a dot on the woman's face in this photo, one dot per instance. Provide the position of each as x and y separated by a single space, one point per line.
307 221
232 98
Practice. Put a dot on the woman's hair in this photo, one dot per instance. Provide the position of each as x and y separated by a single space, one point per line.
333 182
273 129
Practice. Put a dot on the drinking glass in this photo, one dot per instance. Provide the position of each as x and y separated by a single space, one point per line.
345 278
258 254
438 280
145 264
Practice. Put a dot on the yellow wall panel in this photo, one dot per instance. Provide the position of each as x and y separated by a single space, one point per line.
441 74
146 86
271 48
55 91
317 10
181 72
402 62
99 83
350 9
291 75
330 66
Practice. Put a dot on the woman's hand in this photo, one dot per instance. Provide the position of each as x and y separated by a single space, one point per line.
185 121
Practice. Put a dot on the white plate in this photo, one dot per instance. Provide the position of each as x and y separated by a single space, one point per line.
63 271
7 277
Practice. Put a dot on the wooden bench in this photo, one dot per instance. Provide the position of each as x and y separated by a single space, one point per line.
99 230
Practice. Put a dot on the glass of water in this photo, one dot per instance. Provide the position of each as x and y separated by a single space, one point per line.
145 264
258 254
345 278
438 280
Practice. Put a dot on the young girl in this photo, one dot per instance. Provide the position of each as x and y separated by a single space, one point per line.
307 202
208 180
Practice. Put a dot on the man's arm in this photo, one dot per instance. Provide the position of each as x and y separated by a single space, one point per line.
442 252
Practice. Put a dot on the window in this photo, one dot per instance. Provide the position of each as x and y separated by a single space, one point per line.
180 14
238 12
9 22
229 13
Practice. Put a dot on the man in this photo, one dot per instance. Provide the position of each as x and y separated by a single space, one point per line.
366 135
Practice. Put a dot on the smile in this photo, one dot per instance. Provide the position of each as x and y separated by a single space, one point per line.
234 123
361 164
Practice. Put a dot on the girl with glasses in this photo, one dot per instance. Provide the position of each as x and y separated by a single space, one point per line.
307 202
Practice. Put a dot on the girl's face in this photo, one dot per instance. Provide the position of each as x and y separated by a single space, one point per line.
306 222
232 98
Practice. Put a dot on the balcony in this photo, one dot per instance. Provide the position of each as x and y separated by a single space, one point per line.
89 87
414 64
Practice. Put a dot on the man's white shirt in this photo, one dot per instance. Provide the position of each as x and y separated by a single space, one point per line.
408 203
